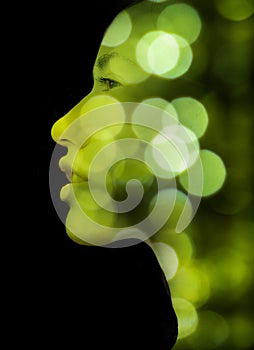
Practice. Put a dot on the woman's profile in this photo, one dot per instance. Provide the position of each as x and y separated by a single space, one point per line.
133 161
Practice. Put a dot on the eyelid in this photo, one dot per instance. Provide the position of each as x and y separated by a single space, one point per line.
104 81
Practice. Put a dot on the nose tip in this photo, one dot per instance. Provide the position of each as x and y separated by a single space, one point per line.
57 129
66 127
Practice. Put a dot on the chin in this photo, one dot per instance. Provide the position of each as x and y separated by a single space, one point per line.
87 231
77 239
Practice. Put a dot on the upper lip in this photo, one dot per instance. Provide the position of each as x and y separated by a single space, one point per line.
68 174
72 176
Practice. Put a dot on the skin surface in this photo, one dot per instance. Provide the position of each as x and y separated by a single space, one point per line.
137 61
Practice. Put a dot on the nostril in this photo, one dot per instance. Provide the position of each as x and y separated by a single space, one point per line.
59 131
65 142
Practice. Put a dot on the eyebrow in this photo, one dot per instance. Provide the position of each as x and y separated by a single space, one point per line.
104 59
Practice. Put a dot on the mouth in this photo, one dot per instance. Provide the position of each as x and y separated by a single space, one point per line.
74 178
68 174
66 192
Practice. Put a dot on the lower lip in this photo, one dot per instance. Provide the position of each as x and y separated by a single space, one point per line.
67 190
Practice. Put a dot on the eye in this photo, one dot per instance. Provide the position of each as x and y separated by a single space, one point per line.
109 84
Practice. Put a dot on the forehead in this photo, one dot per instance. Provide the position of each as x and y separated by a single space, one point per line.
175 17
130 23
157 36
122 35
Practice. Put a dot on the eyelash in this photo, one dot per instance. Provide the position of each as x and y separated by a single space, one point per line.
107 83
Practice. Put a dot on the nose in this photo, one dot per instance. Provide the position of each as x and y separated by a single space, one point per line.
62 124
58 130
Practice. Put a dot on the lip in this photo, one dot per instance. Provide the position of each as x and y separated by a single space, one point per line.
75 178
72 176
68 174
66 191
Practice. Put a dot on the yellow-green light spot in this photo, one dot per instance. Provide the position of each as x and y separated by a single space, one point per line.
212 174
167 259
181 243
157 52
163 54
172 152
192 114
192 283
187 317
165 156
211 333
179 212
118 31
235 10
184 61
229 273
165 106
147 121
180 19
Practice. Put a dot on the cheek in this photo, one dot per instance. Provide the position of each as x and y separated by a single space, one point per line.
96 158
130 93
83 160
92 157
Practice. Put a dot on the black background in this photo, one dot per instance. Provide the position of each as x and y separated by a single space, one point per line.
65 294
59 293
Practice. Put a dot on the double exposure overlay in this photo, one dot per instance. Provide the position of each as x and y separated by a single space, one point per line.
159 151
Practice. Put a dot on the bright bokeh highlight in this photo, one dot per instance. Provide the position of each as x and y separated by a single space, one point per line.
214 174
192 283
181 243
228 272
157 52
163 105
180 211
192 114
180 19
167 258
173 151
118 31
187 317
184 61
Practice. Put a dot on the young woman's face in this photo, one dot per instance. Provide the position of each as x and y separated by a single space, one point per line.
137 62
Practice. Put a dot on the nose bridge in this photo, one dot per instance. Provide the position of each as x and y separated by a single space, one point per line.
59 128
